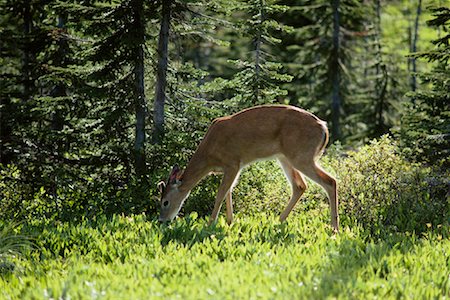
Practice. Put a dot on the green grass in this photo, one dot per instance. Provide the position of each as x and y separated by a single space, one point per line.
255 258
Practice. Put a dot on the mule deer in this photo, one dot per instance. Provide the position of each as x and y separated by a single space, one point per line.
294 136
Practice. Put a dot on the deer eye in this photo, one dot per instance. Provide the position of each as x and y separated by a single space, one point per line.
165 203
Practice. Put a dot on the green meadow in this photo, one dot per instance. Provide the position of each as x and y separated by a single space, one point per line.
255 258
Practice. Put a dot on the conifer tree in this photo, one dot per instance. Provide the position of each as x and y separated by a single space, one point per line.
375 105
259 77
22 41
322 55
425 128
161 72
117 79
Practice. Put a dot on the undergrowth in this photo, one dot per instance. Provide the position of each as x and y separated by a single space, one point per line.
135 257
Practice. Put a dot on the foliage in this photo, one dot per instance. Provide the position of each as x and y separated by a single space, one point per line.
258 78
257 257
425 131
68 91
11 246
89 197
378 189
382 191
321 67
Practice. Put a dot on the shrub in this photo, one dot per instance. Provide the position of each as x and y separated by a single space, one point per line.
380 189
11 245
262 187
69 198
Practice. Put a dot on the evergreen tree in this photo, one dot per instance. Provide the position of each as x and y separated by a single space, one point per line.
322 55
23 39
161 72
375 106
117 80
425 129
259 77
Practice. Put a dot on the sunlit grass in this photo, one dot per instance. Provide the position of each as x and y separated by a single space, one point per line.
11 246
256 257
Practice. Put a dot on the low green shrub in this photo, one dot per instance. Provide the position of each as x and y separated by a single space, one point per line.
381 190
12 245
262 187
378 189
70 198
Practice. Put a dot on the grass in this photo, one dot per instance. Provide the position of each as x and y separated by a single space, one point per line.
255 258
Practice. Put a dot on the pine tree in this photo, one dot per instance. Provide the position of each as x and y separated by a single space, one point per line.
259 77
118 79
375 106
425 128
323 57
22 39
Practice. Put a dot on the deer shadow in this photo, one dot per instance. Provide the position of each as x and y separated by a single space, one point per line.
189 231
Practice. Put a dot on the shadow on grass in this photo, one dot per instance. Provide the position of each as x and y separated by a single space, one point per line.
189 231
357 261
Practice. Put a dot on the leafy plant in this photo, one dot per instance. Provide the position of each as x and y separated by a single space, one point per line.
11 245
258 257
381 190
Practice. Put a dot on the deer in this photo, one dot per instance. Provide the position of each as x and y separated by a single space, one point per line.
295 137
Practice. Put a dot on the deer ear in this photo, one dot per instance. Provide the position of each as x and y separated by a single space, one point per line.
180 175
161 186
174 174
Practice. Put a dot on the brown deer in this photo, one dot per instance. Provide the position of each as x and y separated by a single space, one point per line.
294 136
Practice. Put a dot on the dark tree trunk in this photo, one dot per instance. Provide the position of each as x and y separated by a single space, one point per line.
26 62
59 90
415 38
381 79
140 100
335 75
161 80
258 54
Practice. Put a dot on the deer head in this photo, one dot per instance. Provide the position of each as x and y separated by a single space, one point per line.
172 197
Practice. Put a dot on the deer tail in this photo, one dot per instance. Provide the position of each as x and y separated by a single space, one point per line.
325 139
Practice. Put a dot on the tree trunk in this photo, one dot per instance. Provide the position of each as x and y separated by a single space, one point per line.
335 75
5 130
59 90
415 38
161 80
258 53
140 103
26 61
381 78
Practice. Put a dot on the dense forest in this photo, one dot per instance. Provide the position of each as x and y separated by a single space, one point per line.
100 98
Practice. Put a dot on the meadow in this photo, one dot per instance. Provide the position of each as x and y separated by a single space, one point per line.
132 257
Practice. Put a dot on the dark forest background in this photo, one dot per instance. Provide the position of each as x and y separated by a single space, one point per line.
100 98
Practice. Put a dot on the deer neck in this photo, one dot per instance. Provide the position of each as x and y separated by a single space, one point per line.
196 169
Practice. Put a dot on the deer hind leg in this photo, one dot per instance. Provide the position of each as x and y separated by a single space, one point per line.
229 177
298 186
317 174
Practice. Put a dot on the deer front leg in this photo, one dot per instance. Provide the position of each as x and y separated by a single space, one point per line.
229 208
225 187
